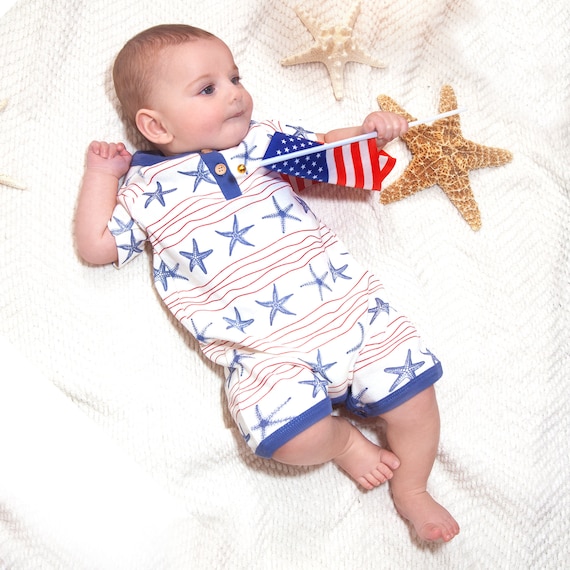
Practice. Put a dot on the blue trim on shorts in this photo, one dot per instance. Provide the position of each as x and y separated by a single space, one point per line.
397 398
297 425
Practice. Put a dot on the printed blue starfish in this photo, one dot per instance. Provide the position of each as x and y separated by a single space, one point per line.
317 384
318 281
357 346
158 194
200 335
276 305
202 174
246 154
381 307
246 436
405 372
236 235
196 257
281 213
236 361
303 204
123 228
300 131
237 323
318 367
357 402
337 273
268 421
133 247
163 273
428 352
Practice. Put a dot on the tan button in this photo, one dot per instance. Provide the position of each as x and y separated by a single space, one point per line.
220 169
241 168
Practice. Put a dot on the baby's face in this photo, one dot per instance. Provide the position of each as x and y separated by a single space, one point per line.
199 97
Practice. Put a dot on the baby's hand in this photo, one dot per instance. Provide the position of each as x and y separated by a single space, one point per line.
388 126
111 158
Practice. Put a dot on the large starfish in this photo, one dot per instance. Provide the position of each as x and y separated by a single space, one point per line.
442 156
334 47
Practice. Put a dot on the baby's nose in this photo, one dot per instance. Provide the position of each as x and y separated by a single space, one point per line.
235 93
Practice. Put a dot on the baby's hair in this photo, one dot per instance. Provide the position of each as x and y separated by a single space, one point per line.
134 65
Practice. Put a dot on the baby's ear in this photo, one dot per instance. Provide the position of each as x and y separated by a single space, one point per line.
151 127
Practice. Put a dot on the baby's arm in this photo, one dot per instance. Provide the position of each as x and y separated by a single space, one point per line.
106 163
388 126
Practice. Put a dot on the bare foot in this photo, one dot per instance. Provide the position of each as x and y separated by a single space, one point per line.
430 520
368 464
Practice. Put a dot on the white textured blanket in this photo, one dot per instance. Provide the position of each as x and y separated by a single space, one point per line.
116 452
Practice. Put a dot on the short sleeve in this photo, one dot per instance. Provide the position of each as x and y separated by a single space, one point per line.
129 236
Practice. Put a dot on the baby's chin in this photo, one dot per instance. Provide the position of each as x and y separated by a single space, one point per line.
235 139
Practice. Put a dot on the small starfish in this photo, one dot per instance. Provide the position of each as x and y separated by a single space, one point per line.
405 372
196 257
201 174
381 307
318 384
164 273
236 235
334 48
282 214
276 305
238 323
338 272
318 281
158 194
268 421
6 180
442 156
133 247
318 367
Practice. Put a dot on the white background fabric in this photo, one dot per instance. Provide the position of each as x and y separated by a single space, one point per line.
115 447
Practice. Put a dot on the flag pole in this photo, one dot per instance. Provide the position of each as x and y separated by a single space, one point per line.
366 136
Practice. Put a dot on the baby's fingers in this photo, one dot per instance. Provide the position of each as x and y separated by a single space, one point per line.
105 149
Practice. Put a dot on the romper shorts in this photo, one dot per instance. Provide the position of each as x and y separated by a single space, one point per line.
380 364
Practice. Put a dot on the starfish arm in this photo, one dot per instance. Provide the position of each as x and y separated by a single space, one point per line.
412 180
388 104
447 100
311 55
309 22
360 56
353 15
459 192
475 155
6 180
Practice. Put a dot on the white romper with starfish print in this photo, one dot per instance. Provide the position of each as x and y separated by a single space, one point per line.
269 291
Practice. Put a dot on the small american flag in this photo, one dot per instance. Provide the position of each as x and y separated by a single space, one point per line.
359 164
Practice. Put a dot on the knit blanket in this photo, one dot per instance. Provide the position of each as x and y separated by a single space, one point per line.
116 448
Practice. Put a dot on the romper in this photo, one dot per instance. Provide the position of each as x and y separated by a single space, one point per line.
268 290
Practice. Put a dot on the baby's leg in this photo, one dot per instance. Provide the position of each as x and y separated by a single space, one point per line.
412 432
335 439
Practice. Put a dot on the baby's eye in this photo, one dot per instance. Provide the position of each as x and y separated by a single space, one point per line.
236 80
208 90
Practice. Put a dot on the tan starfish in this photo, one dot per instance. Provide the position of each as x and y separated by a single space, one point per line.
4 178
442 156
334 47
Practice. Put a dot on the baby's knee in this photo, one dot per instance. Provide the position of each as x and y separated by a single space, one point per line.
309 447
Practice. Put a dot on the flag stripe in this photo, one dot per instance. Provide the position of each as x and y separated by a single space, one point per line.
340 167
375 172
357 166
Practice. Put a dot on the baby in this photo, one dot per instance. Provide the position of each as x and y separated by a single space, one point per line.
269 291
